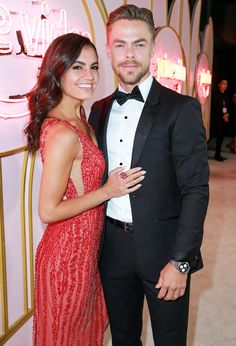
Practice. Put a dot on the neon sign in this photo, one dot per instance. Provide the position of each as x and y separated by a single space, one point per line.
203 78
16 101
5 28
37 32
170 73
29 33
168 69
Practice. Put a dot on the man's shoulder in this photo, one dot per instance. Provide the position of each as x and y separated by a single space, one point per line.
102 101
174 97
100 108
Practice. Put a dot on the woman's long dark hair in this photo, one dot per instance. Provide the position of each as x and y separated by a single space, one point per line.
47 93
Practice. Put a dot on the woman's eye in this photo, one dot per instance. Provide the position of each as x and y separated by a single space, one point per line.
77 67
96 68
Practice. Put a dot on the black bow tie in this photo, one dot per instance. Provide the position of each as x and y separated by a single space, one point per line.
122 97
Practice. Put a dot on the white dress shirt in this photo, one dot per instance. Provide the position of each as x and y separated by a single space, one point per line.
121 128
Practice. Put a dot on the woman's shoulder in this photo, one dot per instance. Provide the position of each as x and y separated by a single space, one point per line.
59 132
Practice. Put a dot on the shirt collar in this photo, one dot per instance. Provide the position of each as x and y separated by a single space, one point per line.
144 87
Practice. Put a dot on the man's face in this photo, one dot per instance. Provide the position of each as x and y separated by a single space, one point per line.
130 48
223 85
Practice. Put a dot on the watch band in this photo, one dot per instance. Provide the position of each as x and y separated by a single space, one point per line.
182 267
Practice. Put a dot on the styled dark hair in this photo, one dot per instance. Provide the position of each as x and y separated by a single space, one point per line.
47 93
132 12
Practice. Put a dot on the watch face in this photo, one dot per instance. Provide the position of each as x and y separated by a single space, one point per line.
184 267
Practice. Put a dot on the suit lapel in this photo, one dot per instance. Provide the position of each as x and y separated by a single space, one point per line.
101 135
146 120
102 129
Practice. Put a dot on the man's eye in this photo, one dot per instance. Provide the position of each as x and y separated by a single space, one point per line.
96 67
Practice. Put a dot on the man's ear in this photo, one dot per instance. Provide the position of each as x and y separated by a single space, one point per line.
153 50
108 51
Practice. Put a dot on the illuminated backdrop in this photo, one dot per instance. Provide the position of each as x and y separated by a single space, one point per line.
182 61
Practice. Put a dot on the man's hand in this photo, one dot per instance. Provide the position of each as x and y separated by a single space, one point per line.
171 283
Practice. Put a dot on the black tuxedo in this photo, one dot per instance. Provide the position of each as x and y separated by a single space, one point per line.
169 209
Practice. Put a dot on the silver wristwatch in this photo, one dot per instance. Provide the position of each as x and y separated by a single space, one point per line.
182 267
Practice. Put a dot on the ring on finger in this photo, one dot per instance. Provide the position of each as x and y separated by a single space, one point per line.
123 175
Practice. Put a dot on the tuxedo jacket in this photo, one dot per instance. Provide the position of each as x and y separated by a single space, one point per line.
169 209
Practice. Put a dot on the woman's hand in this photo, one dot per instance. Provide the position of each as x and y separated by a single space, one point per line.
120 183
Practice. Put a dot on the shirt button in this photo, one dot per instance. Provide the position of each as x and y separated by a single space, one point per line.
126 117
121 140
121 163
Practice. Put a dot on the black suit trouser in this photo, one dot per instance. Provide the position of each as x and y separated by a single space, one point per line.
125 287
220 133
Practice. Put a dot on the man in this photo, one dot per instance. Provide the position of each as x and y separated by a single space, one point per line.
152 238
220 110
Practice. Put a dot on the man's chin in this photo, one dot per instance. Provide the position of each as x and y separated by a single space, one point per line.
130 80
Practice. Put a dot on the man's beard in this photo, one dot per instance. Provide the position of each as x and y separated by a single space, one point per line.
131 78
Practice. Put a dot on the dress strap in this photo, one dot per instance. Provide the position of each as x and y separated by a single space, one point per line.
68 124
46 128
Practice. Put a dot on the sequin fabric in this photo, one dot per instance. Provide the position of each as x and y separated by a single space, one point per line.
69 303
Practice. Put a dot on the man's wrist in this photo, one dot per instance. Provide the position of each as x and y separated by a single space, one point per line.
182 267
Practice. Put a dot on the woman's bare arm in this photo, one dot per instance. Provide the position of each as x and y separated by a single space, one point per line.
62 148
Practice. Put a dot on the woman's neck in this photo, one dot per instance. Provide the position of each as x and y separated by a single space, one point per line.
70 112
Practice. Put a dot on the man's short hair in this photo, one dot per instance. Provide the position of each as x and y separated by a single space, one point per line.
132 12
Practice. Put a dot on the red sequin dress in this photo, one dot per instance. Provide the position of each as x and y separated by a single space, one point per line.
69 303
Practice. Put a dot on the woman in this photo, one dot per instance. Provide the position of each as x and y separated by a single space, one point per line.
69 303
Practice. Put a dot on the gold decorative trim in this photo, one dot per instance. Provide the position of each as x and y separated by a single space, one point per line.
101 7
151 5
12 152
181 19
189 57
3 270
23 232
194 11
30 222
102 10
6 331
16 326
104 14
90 20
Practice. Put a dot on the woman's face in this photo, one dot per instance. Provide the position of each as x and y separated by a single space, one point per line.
80 80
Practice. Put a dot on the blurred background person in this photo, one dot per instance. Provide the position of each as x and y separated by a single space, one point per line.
220 109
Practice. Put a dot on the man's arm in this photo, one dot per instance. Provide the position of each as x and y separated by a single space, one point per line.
189 153
93 116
